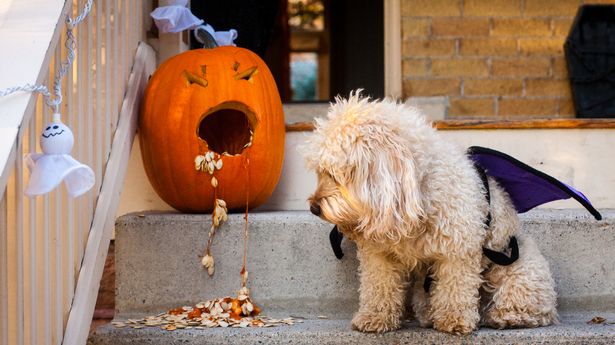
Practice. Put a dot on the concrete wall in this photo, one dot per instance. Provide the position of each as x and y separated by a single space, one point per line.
579 157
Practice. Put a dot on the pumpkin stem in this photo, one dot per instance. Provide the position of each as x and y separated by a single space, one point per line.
206 38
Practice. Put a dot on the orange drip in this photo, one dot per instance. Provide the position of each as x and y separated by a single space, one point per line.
243 272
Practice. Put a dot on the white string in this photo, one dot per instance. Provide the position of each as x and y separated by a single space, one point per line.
70 56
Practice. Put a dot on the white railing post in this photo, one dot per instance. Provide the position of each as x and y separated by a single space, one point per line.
45 240
170 44
4 309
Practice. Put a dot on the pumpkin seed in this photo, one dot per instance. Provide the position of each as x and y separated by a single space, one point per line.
198 162
214 313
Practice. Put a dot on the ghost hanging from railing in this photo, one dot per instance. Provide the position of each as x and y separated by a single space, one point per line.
55 164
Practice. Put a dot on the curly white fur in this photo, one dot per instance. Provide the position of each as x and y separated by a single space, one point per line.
415 205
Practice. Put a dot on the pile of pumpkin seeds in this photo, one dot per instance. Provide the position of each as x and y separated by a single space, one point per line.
223 312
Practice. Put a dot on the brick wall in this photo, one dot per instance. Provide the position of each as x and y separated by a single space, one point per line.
499 58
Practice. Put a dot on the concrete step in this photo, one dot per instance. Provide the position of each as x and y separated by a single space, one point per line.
294 272
573 329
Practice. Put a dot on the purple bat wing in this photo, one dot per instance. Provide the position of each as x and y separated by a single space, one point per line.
526 186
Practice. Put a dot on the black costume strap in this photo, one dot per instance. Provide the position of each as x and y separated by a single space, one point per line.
427 282
498 258
502 259
483 176
335 237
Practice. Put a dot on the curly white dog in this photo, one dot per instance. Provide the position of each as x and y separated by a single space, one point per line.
416 207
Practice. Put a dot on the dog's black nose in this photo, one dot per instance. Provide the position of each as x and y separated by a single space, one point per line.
315 209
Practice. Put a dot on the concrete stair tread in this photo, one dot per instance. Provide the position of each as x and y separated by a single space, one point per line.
294 272
573 329
293 269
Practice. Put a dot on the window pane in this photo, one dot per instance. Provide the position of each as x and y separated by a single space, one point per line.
304 76
306 14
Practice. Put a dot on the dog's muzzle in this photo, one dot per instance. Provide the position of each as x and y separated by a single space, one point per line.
315 209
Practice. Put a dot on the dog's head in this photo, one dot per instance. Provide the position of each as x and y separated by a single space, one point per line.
367 176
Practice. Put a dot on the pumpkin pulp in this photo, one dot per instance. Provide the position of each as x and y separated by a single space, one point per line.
227 128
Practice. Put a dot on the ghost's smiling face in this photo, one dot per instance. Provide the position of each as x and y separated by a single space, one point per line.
57 138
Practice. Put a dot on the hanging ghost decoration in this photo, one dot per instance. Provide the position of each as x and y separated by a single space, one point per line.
55 164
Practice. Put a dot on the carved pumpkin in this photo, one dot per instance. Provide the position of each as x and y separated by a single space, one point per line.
223 100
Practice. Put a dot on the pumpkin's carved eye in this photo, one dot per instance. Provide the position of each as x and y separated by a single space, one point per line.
247 74
192 78
228 128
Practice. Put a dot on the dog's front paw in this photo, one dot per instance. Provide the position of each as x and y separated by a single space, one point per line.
375 322
456 323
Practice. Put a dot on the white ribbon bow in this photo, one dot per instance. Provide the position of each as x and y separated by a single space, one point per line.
175 17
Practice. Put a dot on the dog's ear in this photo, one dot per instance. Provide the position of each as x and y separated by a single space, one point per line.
386 182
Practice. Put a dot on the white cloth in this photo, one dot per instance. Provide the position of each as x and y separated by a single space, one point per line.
175 17
55 164
223 38
48 171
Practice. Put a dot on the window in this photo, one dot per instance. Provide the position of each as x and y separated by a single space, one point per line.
316 49
309 50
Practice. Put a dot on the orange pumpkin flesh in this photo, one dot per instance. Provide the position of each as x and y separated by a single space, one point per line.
212 100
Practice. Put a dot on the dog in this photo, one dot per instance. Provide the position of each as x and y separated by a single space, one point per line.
415 206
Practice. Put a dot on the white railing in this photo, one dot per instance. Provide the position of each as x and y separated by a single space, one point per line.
52 247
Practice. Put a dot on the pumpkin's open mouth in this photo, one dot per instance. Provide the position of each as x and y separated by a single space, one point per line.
228 128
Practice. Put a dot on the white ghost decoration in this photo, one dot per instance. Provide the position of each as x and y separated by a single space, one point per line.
55 164
175 17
